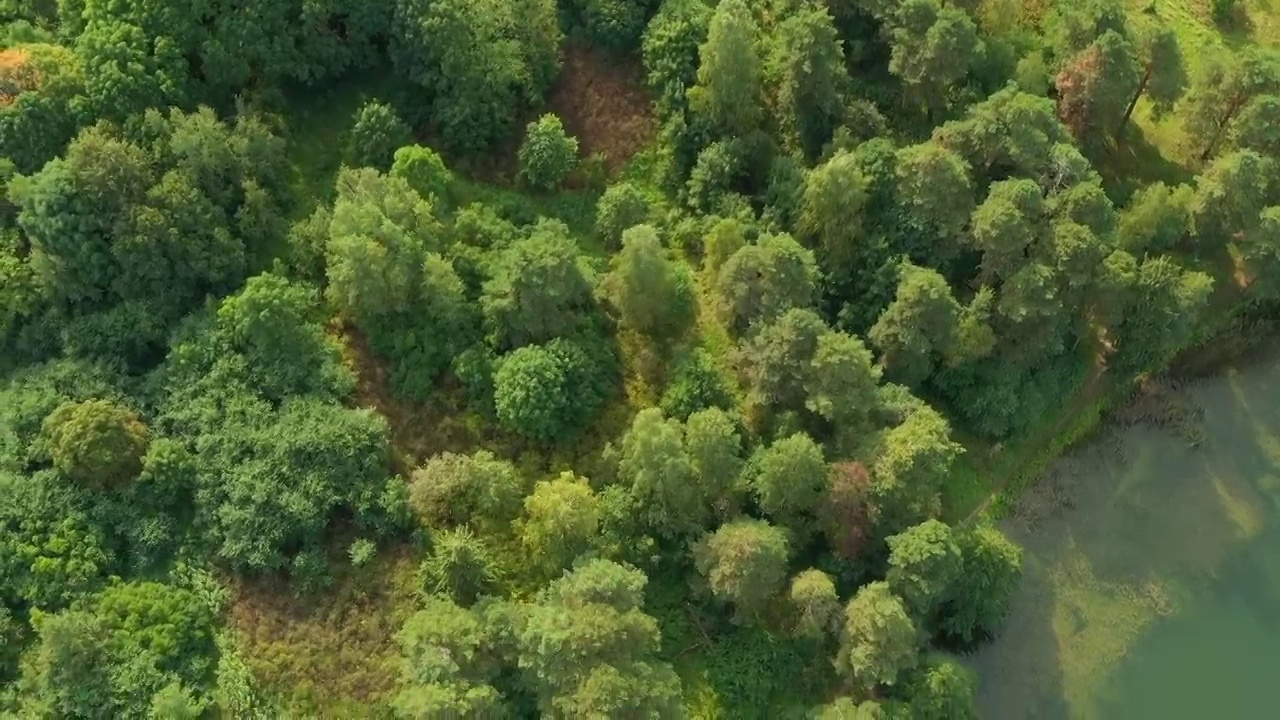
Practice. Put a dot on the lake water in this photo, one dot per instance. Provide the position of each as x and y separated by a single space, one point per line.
1152 586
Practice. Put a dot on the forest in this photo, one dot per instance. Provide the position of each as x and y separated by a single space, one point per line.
580 358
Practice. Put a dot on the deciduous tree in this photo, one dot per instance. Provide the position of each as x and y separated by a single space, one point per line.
744 563
591 651
97 443
980 595
815 603
879 641
652 293
561 519
548 154
924 564
729 89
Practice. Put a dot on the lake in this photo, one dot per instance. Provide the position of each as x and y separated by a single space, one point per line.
1152 585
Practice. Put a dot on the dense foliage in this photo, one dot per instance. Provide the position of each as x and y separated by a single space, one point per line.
324 297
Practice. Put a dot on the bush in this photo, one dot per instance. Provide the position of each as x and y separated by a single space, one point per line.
622 207
548 153
376 135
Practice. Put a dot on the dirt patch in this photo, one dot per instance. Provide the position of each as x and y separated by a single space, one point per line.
604 103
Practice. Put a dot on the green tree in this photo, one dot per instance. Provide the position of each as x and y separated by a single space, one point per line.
879 641
760 282
846 709
915 459
1097 85
561 519
127 70
730 86
981 593
714 446
1223 90
1164 76
744 563
97 443
175 702
831 211
933 48
917 327
548 154
481 63
944 689
652 293
375 136
934 184
670 51
477 490
550 392
778 358
842 380
653 461
270 482
924 563
806 68
789 478
612 24
276 326
590 650
379 237
1260 250
1230 197
425 171
51 550
68 670
539 290
1156 219
448 664
696 384
460 566
621 207
726 237
815 603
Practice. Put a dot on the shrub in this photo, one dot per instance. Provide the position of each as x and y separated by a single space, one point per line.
548 153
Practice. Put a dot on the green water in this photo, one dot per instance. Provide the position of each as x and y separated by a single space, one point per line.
1152 583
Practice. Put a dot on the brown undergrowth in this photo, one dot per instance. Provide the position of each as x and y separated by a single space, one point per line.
331 653
604 103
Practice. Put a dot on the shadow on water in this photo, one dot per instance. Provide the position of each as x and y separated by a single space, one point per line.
1151 567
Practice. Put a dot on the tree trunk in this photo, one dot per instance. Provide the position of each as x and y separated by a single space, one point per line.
1235 105
1142 87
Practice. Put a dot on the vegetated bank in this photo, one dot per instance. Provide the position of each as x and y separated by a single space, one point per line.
526 433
